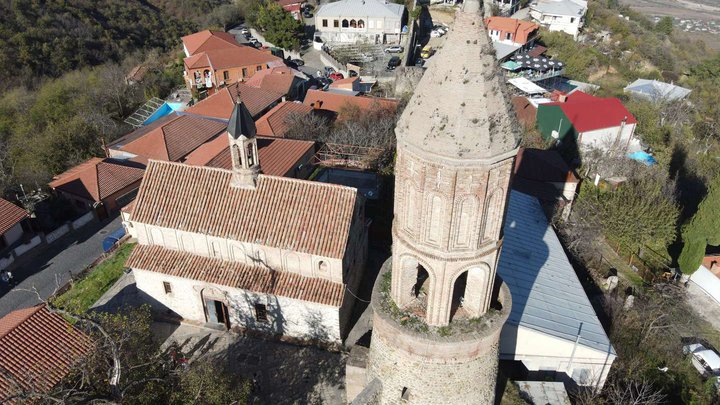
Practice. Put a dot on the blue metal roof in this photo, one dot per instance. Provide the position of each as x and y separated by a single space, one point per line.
546 293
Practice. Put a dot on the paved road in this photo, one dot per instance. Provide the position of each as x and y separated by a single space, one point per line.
39 268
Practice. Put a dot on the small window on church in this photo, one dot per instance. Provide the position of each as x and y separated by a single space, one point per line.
250 155
405 395
323 266
261 313
167 287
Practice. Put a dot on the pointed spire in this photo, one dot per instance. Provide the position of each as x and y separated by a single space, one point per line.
241 121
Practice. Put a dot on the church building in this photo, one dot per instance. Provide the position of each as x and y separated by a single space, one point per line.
241 250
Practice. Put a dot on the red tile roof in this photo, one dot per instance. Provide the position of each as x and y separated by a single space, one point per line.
231 58
326 100
278 79
519 29
10 215
221 104
236 274
278 157
275 122
346 83
171 140
38 348
98 178
588 113
305 216
284 3
209 40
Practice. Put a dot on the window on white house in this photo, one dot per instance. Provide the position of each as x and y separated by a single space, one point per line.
572 19
167 287
261 312
324 23
508 36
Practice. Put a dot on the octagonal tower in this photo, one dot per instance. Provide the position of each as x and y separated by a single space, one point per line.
438 307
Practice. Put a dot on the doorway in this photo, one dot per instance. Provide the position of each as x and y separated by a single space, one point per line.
217 312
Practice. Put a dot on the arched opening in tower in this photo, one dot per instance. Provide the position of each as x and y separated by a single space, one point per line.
421 278
458 296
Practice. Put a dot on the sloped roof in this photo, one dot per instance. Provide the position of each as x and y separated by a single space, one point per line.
279 79
277 156
459 108
172 139
230 58
331 101
286 213
588 113
656 90
275 122
98 178
543 165
361 8
209 40
10 214
236 274
221 104
508 24
38 348
574 8
546 293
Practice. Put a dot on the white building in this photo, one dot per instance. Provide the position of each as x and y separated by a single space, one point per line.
374 21
507 7
552 328
656 91
560 15
238 249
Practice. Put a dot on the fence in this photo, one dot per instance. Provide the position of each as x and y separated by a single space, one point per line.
20 250
56 234
83 220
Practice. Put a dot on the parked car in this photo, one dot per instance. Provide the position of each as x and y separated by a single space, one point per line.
420 62
427 52
438 27
336 76
436 33
393 63
329 70
307 14
352 73
244 31
298 62
257 45
394 49
705 360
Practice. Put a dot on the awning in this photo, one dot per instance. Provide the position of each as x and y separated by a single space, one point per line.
526 86
511 65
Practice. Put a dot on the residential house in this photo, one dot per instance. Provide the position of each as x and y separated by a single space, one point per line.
374 21
291 83
208 40
242 250
13 222
101 185
511 31
215 68
37 350
293 7
707 276
220 105
593 122
544 175
170 138
276 122
348 84
560 15
507 7
279 157
342 104
656 91
553 331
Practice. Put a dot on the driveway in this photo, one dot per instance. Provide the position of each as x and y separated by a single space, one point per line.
48 266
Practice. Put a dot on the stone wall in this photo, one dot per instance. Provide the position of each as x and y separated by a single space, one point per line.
406 78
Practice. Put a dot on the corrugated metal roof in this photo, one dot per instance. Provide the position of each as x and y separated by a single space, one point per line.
361 8
560 7
656 90
546 293
236 274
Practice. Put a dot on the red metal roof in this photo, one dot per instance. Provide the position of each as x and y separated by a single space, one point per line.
10 215
236 274
208 40
221 104
37 348
589 113
98 178
306 216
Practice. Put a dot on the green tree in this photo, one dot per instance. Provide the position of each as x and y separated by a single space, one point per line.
279 27
703 230
665 25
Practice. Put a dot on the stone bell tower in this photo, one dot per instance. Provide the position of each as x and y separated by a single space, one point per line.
438 305
243 147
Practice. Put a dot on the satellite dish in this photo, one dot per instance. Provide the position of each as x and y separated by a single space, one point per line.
555 134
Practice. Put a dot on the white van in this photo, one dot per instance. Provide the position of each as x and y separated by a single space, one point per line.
706 361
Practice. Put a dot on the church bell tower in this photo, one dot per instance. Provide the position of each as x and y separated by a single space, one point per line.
243 148
438 303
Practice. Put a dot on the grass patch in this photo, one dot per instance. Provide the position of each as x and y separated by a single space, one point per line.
87 291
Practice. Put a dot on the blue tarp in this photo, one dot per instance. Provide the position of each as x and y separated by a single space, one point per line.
642 157
112 239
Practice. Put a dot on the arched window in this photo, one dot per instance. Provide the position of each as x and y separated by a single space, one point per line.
458 296
236 156
492 215
361 24
323 266
250 155
410 203
434 226
344 23
353 24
